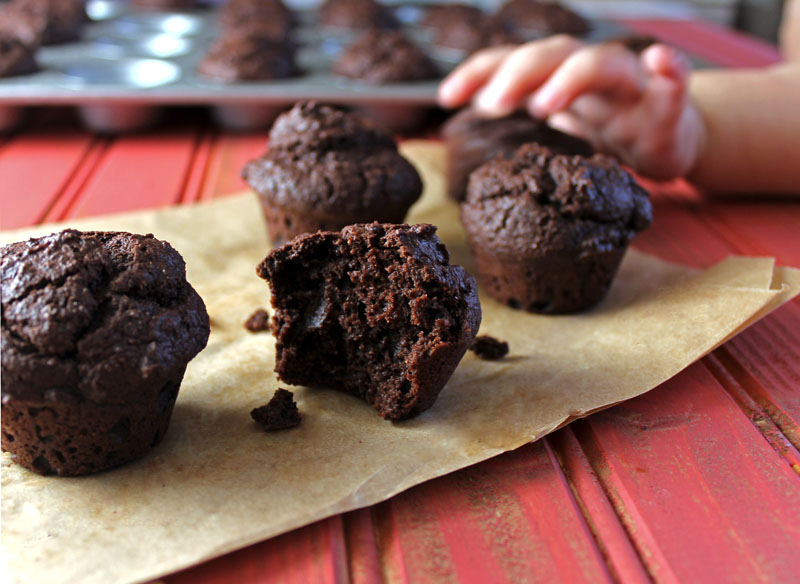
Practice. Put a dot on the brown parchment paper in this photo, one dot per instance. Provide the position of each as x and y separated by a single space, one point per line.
218 482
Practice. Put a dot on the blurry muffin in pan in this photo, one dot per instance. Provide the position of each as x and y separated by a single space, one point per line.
248 57
380 56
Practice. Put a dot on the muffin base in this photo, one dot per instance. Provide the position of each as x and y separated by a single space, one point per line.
284 225
558 283
72 438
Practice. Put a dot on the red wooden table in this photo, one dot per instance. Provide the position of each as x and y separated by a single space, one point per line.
696 481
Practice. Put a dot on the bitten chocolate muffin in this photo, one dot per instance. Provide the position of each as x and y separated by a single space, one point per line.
378 56
43 22
542 18
97 330
266 18
466 28
247 58
16 58
376 311
549 231
356 14
473 140
326 168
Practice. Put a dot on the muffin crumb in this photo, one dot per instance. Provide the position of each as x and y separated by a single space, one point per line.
280 413
258 321
489 348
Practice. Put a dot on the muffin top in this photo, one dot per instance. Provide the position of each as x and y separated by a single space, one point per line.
327 160
44 22
466 28
538 201
379 56
269 18
469 36
248 57
543 17
356 14
515 129
440 15
16 58
311 126
167 4
86 316
473 140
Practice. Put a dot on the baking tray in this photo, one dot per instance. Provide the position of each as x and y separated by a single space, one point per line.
130 63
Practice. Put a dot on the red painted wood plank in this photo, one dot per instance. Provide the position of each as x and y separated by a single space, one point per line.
615 545
314 553
488 523
677 236
137 172
701 493
767 364
767 227
714 43
34 169
59 209
362 547
198 171
754 402
229 155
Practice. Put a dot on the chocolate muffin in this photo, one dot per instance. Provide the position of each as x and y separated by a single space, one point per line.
266 18
356 14
97 330
473 140
16 58
376 311
549 231
43 22
326 168
542 18
248 57
378 56
465 28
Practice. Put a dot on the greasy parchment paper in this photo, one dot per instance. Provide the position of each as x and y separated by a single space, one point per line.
218 482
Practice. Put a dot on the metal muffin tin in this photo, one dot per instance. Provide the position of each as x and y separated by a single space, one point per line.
130 63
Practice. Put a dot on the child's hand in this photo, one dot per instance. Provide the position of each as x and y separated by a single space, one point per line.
635 107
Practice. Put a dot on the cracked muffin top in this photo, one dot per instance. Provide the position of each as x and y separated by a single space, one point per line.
326 160
95 312
538 200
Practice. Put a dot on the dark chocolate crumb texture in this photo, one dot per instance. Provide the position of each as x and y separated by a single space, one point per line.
258 321
97 330
280 413
489 348
376 311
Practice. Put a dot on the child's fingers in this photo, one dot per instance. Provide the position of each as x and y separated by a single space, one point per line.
666 61
459 86
574 125
522 71
607 68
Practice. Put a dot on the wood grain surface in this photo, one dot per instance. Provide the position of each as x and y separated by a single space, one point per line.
696 481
